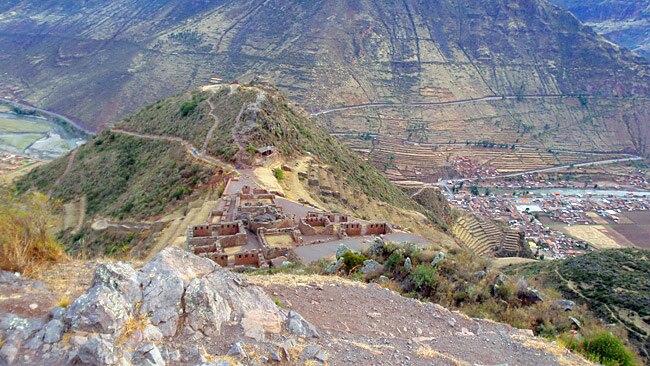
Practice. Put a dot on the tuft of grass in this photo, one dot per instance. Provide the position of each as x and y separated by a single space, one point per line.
64 301
132 325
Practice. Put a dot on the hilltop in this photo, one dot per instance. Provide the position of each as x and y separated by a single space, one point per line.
163 169
429 64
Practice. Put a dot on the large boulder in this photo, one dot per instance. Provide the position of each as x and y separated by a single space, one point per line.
341 250
100 310
121 278
98 352
161 301
371 267
205 309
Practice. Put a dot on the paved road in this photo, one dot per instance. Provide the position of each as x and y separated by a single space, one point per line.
434 104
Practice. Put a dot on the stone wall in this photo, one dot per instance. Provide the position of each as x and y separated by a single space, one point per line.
351 228
377 228
201 231
252 258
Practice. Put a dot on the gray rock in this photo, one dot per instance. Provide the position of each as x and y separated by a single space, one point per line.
438 258
310 352
162 299
383 278
57 313
530 296
171 355
100 310
480 275
299 326
575 322
206 310
97 352
275 356
501 279
9 351
237 351
371 267
377 247
152 333
342 249
148 355
53 331
408 265
119 277
566 305
335 267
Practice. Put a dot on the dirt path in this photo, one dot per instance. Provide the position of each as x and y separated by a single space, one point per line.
73 156
208 137
367 325
190 149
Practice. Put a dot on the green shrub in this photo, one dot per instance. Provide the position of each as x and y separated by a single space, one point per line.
605 348
425 275
278 173
188 107
353 260
394 260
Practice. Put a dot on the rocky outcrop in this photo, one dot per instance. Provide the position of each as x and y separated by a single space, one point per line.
178 300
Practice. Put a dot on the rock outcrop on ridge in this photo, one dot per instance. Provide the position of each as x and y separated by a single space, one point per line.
180 309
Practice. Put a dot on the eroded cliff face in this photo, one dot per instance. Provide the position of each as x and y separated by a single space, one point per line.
624 22
101 62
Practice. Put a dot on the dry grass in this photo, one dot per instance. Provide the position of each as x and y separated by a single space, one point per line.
290 280
64 301
430 353
26 239
133 324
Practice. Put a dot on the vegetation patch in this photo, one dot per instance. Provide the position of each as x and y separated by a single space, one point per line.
26 239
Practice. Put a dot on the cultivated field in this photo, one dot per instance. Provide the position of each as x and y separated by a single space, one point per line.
601 237
638 231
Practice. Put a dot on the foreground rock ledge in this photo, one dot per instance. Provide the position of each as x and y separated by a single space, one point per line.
180 309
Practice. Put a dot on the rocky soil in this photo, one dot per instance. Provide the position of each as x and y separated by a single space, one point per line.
180 309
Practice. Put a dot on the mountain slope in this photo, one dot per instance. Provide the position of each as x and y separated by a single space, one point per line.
613 283
624 22
100 63
174 156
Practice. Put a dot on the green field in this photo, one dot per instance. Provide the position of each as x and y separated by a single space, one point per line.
19 141
8 125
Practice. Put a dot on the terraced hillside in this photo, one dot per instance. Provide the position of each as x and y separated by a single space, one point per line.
483 237
506 70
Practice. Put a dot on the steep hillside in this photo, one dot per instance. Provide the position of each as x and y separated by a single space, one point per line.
624 22
122 177
101 62
231 122
613 283
163 168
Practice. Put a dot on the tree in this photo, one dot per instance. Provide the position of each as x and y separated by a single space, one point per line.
474 190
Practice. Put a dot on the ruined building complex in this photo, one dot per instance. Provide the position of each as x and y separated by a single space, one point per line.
252 228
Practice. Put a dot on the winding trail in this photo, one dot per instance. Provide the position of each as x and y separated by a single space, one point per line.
188 146
71 159
216 124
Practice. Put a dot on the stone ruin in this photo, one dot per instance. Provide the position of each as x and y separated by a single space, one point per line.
252 221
